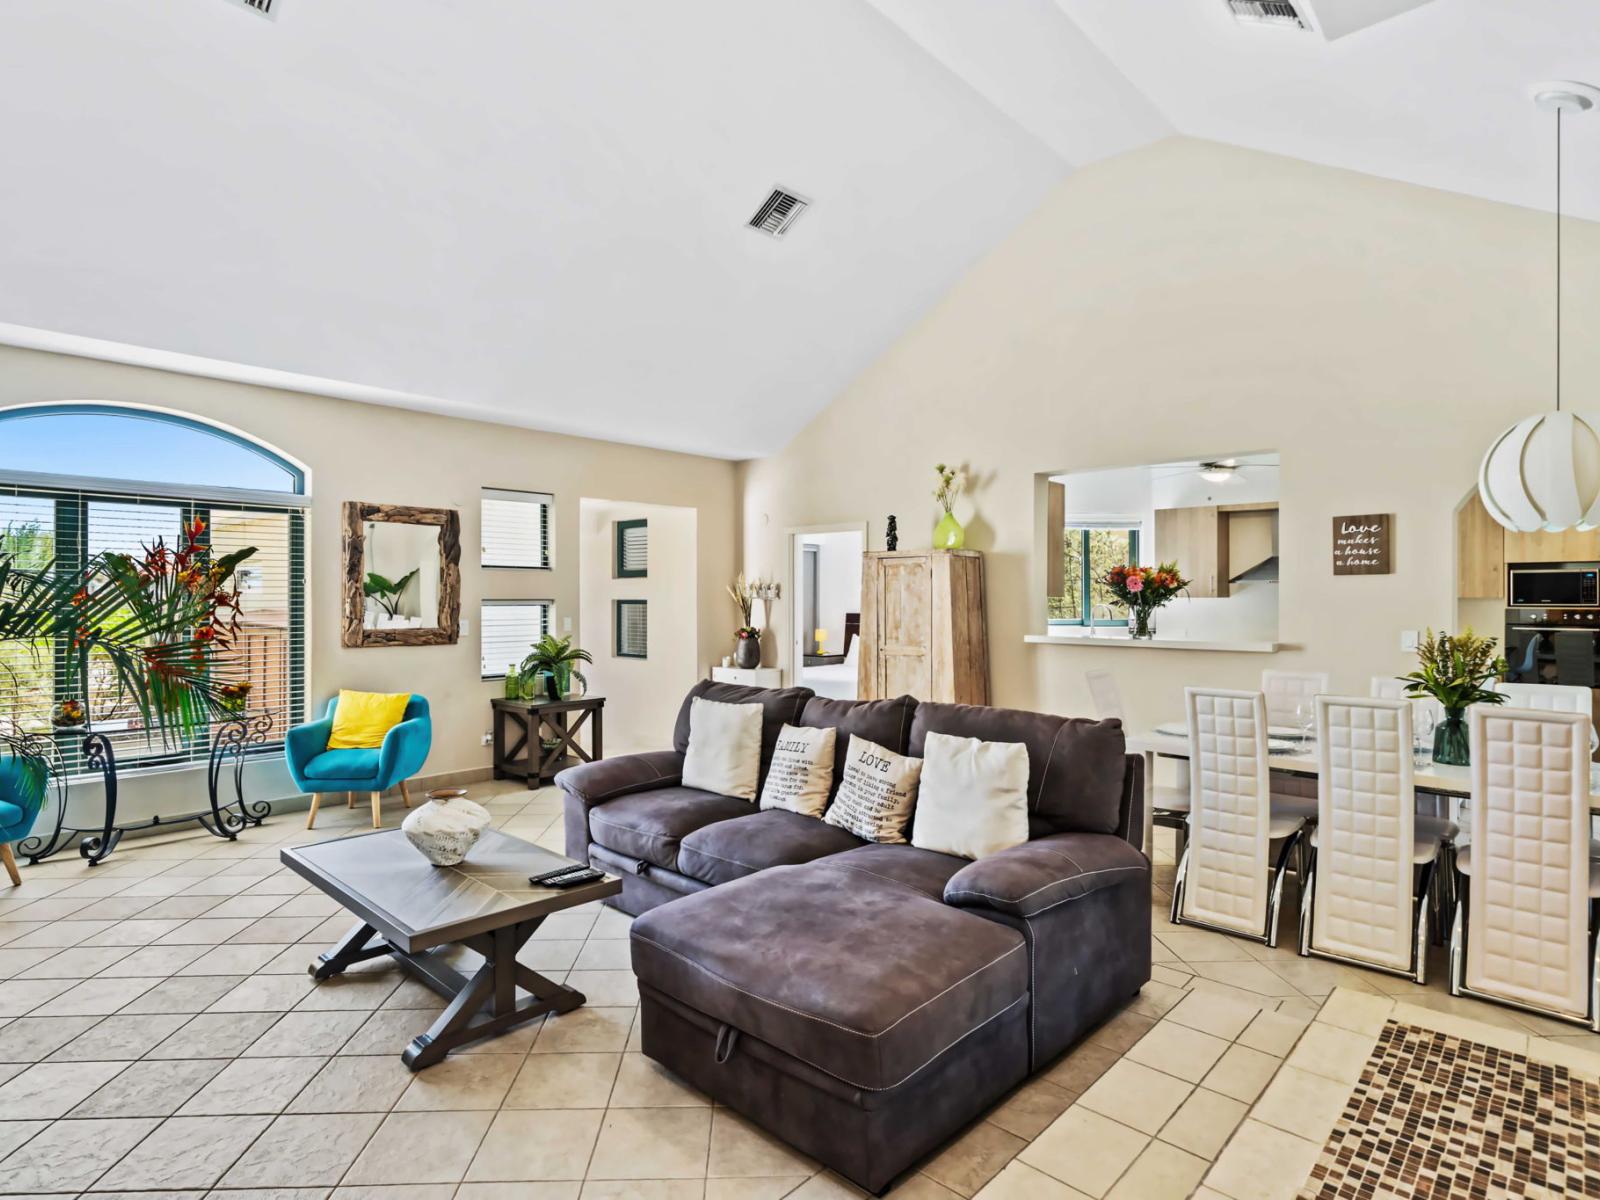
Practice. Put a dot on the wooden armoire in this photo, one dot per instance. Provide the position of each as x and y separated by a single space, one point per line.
923 627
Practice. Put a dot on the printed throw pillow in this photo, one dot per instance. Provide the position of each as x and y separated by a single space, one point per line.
877 794
724 754
974 796
801 773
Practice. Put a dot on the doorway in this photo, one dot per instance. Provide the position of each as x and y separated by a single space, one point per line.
825 607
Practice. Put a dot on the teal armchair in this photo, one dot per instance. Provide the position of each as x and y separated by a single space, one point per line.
316 769
24 779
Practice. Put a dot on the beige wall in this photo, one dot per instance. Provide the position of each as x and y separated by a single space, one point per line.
1190 300
367 452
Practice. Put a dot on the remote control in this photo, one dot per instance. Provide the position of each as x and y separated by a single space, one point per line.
567 877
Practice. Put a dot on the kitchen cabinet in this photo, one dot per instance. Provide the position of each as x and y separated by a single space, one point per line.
923 630
1569 545
1480 553
1196 539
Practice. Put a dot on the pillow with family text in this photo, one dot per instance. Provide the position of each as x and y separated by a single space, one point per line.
877 794
801 773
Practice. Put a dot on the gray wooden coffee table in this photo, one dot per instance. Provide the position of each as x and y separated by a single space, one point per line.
411 909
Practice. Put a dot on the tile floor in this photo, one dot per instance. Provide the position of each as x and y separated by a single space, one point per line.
159 1034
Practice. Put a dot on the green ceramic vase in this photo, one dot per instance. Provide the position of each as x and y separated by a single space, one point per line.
948 534
1450 739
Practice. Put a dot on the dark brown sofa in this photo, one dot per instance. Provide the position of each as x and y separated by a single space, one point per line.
864 1002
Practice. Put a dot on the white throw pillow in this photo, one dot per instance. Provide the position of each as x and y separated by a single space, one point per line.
724 754
974 796
801 774
877 794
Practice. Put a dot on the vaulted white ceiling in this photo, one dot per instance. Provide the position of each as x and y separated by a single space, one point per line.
534 212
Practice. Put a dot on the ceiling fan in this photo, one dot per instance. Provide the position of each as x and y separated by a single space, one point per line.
1217 470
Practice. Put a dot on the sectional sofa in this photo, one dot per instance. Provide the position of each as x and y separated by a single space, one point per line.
861 1001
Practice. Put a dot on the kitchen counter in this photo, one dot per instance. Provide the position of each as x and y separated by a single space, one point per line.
1117 637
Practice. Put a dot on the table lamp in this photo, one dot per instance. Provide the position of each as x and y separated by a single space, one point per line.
821 636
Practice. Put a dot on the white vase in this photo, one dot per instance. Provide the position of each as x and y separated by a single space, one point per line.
445 828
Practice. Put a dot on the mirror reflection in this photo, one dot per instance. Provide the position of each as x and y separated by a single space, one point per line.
401 583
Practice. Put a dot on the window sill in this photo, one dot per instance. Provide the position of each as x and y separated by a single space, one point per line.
1119 639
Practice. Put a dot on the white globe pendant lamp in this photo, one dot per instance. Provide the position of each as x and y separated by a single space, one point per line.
1544 472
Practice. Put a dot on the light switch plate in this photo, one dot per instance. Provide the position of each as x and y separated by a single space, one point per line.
466 626
566 624
1409 639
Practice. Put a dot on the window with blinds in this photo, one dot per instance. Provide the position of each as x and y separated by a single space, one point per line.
516 529
43 527
633 549
632 629
508 630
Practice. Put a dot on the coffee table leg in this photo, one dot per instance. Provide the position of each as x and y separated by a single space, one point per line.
428 1048
357 946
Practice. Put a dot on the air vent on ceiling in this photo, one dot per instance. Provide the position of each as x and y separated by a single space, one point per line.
1268 12
264 7
780 211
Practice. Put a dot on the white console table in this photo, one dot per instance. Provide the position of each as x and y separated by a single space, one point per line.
753 677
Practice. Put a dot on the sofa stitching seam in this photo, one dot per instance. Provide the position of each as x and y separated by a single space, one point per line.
812 1016
900 883
1042 887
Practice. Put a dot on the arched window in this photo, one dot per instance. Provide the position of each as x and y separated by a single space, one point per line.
79 479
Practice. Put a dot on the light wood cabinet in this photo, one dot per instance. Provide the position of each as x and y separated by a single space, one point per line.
1480 553
1196 539
1570 545
923 626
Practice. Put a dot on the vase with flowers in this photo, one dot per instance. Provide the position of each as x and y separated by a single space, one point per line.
1142 590
948 534
1456 670
747 638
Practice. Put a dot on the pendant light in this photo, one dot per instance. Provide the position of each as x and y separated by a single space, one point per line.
1544 472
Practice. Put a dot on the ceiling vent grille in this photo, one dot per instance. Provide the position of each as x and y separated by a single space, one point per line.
1268 12
264 7
780 210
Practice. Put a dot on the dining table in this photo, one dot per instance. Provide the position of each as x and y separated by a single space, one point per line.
1294 753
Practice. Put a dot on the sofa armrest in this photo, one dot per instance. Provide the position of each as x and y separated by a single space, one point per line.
1047 872
302 743
596 782
405 750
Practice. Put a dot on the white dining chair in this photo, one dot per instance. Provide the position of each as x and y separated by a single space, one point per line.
1290 697
1169 805
1226 880
1369 890
1550 697
1524 927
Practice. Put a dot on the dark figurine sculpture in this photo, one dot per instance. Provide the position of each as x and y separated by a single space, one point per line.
891 537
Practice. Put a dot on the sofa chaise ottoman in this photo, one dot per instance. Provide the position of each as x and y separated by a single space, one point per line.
865 1001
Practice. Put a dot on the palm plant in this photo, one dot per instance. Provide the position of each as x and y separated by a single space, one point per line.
555 657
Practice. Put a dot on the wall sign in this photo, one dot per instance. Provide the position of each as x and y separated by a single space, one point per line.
1361 545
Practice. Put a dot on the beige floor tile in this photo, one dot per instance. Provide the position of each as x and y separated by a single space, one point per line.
253 1085
1028 1111
643 1189
1214 1014
392 1191
1446 1019
564 1081
355 1083
1136 1095
643 1083
307 1035
1122 1031
1581 1057
605 955
213 1035
1155 999
150 1089
29 1039
740 1148
974 1158
1085 1150
461 1082
120 1037
1204 1122
387 1031
184 994
70 1155
1356 1011
53 1089
605 989
420 1147
352 990
230 960
303 1151
1201 945
15 1133
749 1189
1161 1172
1077 1069
1332 1052
825 1185
919 1187
185 1152
265 993
566 1189
154 961
1274 1032
651 1143
1254 977
1178 1050
588 1029
1242 1073
1301 1103
1019 1181
99 997
1263 1163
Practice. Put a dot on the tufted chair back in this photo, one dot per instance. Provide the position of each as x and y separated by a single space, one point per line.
1231 807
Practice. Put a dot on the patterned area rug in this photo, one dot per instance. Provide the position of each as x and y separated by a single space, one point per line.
1435 1116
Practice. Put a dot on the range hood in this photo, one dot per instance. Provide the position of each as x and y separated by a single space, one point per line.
1265 571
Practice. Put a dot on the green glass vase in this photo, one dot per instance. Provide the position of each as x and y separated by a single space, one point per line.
1450 746
948 534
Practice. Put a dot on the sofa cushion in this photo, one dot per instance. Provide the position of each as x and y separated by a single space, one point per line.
649 826
1075 766
925 871
773 837
848 973
779 706
886 722
1047 872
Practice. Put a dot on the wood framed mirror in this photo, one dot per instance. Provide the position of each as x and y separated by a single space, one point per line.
402 575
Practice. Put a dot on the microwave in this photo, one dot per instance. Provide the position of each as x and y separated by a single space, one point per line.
1570 585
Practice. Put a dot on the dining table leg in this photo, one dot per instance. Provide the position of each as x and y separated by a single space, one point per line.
1149 803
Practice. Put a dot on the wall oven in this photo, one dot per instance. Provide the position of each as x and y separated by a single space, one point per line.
1564 585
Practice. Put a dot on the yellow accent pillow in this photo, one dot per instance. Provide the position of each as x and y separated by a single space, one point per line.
362 718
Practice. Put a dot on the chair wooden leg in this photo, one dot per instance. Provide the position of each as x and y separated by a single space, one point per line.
349 799
377 810
405 793
11 864
311 817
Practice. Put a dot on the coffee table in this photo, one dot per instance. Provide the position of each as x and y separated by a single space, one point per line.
412 910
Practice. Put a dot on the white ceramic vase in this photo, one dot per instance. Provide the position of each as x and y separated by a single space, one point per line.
445 828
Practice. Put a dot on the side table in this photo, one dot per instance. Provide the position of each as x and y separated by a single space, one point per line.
522 729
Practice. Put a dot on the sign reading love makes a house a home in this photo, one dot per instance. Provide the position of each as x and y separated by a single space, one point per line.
1361 545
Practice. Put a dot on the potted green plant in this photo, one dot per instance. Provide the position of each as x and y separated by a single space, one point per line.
553 659
747 638
1455 670
948 534
386 593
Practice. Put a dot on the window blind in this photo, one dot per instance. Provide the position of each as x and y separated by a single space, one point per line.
43 526
515 528
508 630
633 629
633 549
